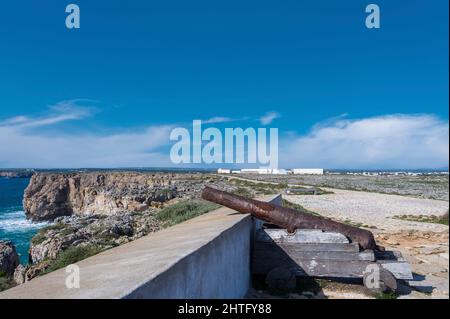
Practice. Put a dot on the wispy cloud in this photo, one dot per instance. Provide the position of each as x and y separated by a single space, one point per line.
22 143
223 119
393 141
269 117
60 112
218 119
266 119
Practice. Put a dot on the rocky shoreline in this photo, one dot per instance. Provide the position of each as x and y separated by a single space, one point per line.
91 212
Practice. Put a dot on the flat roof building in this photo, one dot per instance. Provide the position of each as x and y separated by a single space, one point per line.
307 171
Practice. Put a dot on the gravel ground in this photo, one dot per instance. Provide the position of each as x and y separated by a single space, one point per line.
374 209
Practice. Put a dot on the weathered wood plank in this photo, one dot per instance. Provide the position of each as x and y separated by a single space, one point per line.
325 268
322 264
351 247
298 256
299 236
296 252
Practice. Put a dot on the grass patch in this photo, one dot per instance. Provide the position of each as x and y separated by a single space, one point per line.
386 295
182 211
240 182
424 219
300 190
71 256
242 191
258 188
298 207
5 283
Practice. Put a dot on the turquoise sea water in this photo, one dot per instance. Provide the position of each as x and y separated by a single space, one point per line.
13 224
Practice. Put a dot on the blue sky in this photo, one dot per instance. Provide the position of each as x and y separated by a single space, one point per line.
139 68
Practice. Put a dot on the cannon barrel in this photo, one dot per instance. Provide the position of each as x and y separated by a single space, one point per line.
289 218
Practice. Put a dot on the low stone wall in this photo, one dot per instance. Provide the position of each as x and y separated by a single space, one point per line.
205 257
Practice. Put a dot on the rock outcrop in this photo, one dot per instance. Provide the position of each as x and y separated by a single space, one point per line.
98 231
9 259
19 274
49 195
95 211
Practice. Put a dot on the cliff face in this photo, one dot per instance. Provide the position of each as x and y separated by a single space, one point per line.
52 195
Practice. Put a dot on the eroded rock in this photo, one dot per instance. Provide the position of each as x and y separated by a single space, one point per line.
49 196
19 274
9 259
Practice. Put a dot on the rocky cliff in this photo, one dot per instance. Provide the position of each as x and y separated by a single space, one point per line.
52 195
94 211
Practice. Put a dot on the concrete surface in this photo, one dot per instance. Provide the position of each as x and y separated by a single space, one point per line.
205 257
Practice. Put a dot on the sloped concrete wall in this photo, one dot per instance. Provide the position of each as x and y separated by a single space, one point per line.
205 257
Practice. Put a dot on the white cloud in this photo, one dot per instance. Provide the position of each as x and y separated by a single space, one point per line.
269 118
394 141
223 119
22 145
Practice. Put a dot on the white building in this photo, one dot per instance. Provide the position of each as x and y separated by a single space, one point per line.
307 171
255 171
279 171
274 171
223 171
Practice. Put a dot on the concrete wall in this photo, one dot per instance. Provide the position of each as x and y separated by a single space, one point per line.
205 257
220 269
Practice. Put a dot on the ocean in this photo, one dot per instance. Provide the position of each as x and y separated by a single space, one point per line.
13 224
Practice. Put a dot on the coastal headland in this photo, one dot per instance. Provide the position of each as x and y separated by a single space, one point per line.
90 212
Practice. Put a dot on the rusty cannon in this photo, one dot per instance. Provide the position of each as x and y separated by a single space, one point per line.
288 218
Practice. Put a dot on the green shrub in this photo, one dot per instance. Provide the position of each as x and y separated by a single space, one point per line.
386 295
298 207
242 191
182 211
71 256
5 283
424 219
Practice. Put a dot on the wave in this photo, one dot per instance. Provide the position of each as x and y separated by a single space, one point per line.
13 221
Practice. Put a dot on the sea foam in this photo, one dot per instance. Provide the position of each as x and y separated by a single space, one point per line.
15 221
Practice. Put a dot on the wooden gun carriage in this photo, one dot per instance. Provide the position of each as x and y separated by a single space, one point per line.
314 253
308 245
